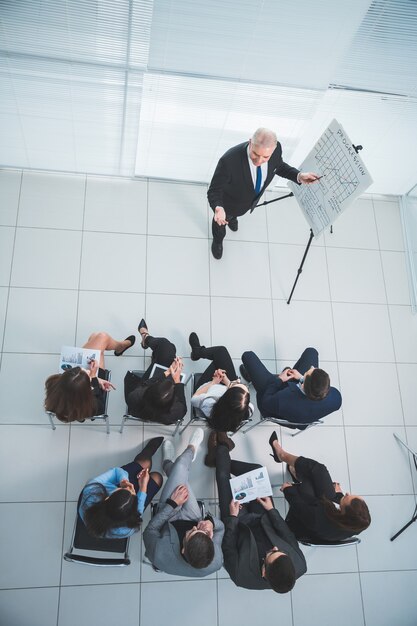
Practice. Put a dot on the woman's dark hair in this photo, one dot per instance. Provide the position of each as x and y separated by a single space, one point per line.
120 509
230 410
317 384
354 517
69 395
157 399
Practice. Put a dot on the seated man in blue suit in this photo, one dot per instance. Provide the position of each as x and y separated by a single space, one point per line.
302 394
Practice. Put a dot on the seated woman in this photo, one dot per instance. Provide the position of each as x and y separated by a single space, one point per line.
160 398
112 504
319 511
221 397
77 393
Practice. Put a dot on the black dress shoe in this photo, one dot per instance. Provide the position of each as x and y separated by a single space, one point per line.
233 224
132 340
217 249
195 346
244 372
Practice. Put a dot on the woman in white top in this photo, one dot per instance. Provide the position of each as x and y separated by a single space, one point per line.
221 397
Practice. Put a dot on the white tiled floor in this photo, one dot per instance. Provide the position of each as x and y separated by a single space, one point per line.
83 253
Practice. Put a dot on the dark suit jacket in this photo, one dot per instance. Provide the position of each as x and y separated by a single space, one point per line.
135 388
241 558
287 401
232 186
306 516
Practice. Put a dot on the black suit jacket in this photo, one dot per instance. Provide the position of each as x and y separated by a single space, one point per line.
135 388
306 516
241 558
232 186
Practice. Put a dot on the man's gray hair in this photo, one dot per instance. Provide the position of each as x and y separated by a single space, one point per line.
265 138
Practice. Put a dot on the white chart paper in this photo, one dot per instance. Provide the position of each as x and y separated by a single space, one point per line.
344 178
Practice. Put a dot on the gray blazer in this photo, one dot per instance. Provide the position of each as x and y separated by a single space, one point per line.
163 546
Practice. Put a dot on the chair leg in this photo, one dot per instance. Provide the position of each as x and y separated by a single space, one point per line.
186 426
51 422
177 427
250 427
106 418
123 423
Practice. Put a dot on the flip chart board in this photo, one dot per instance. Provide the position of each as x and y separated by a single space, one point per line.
344 178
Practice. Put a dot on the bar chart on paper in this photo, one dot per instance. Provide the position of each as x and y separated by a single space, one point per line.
343 174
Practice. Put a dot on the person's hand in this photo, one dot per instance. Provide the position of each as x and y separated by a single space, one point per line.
234 508
308 177
93 368
125 484
218 376
225 380
143 479
206 526
295 374
266 503
286 375
106 385
180 495
175 369
220 216
337 488
284 486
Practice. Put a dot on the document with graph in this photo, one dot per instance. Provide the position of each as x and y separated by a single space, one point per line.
252 485
344 177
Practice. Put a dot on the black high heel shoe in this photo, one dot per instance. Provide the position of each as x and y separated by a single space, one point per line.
142 325
274 437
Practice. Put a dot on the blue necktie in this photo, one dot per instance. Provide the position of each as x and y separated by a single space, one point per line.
258 180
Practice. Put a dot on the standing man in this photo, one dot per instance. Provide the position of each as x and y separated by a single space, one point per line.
242 175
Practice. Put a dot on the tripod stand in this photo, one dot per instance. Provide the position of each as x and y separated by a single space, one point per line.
414 516
300 269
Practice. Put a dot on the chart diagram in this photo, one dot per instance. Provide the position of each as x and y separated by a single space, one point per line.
344 177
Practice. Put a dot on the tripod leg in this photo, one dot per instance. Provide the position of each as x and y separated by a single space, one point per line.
300 269
413 519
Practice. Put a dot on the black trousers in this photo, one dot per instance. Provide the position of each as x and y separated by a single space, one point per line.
314 477
224 467
163 353
220 359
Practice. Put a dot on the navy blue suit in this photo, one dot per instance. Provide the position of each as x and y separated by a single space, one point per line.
286 400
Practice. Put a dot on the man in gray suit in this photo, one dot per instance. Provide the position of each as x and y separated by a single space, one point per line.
177 540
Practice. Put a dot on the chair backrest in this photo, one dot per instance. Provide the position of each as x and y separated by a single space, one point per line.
128 416
82 540
351 541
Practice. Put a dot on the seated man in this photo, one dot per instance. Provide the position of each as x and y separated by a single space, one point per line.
297 397
177 540
260 551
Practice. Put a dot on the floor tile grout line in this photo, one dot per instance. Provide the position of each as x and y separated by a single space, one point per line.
11 270
394 350
80 268
271 291
64 524
361 589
